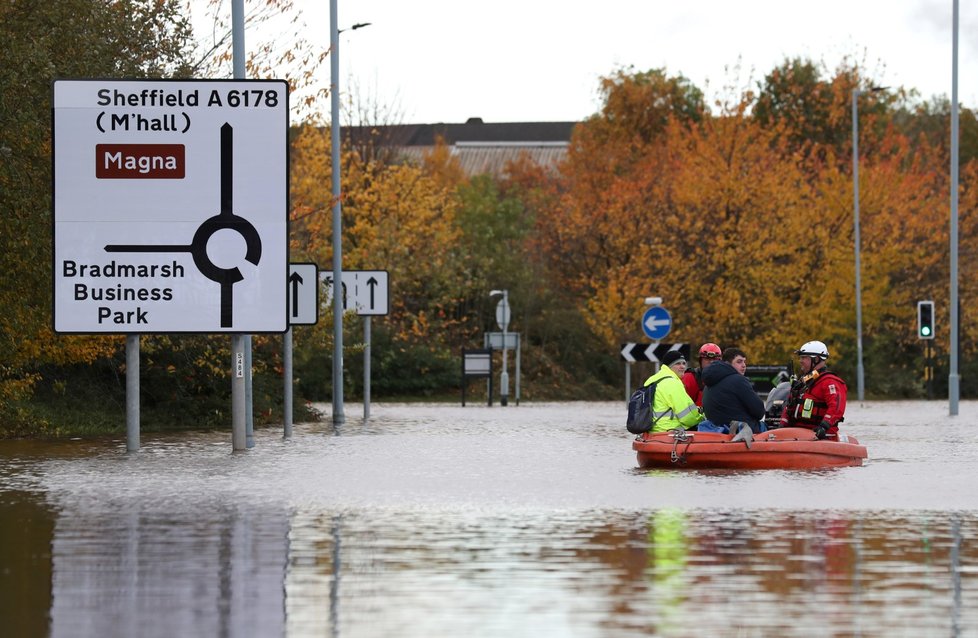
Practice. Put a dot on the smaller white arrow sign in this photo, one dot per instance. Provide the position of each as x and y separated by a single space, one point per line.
365 291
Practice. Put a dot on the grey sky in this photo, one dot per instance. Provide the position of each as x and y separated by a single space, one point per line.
538 60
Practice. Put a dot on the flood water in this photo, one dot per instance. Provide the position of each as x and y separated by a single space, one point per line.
530 520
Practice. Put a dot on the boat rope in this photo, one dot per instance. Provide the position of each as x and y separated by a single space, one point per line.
679 436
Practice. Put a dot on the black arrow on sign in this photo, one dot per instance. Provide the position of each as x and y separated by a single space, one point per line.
635 352
329 282
372 282
296 280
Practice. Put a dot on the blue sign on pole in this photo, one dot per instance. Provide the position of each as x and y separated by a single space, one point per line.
656 322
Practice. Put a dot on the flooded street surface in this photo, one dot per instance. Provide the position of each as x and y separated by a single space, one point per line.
531 520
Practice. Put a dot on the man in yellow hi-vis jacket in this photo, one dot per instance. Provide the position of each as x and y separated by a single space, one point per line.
672 407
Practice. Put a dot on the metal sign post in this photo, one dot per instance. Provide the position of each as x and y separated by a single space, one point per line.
132 393
506 341
366 368
502 318
367 292
303 309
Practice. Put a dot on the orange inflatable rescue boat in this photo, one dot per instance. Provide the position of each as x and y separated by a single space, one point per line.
782 449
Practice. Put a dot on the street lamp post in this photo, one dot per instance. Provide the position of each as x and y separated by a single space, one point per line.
334 94
334 126
953 378
860 373
502 317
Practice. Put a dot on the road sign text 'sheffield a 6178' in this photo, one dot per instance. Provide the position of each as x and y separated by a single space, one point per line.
170 206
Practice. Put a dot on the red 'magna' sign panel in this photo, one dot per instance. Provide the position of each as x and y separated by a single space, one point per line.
139 161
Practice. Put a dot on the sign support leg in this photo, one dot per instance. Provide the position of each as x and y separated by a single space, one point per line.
132 393
238 385
334 68
249 397
366 368
518 357
628 381
287 364
238 438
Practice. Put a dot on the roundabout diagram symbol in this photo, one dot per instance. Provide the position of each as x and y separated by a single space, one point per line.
224 220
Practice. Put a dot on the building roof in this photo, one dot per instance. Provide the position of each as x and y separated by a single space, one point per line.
480 148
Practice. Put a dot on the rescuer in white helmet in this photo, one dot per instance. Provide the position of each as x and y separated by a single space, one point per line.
817 400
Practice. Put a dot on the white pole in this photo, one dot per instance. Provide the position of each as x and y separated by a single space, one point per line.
238 383
366 367
504 377
132 393
239 440
249 396
334 92
518 359
628 381
287 364
856 240
953 379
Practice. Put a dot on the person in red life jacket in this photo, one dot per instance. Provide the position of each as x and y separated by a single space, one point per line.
817 400
709 352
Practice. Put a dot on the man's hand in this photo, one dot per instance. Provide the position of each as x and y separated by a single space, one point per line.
822 428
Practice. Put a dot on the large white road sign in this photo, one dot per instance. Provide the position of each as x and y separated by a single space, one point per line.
170 206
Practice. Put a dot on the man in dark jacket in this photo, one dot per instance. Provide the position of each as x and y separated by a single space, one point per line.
728 395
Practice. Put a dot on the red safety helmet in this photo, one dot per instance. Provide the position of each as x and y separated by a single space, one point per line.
710 351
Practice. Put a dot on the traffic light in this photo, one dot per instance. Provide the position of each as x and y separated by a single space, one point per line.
925 319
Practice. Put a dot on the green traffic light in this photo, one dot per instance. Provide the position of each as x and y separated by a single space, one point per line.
925 331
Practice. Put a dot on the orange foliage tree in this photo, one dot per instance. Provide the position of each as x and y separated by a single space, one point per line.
396 217
743 220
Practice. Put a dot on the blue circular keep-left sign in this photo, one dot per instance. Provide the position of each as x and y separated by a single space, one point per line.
656 323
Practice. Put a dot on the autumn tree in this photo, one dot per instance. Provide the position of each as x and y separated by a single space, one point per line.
813 108
44 41
282 51
400 219
743 222
617 164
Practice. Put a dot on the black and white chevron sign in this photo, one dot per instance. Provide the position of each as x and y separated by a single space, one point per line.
632 352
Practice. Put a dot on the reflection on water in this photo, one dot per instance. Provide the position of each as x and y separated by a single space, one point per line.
25 562
216 573
534 521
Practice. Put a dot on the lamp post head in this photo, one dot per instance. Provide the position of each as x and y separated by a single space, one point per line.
358 25
493 293
873 89
653 301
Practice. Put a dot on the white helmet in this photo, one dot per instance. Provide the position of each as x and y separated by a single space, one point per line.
813 349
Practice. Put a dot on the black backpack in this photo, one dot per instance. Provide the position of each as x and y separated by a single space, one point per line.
640 409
